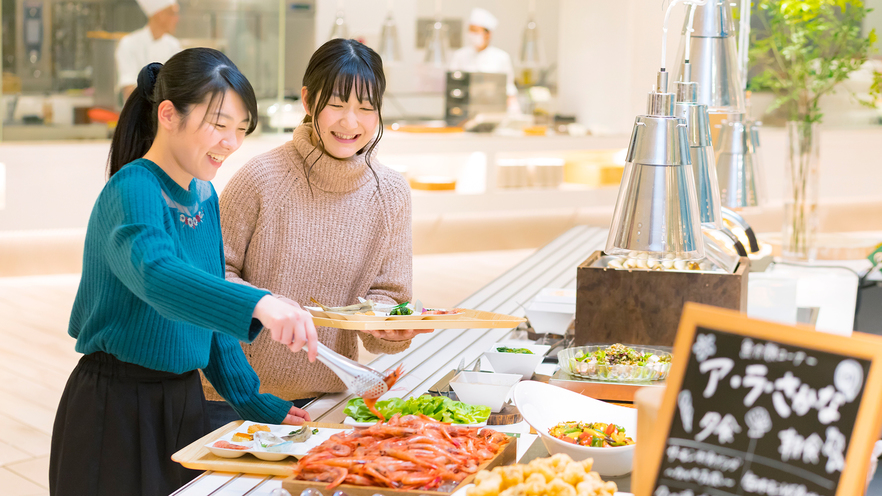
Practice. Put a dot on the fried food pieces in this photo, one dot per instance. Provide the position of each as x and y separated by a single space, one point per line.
558 475
258 427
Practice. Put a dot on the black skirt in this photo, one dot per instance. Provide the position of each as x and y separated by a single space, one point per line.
118 425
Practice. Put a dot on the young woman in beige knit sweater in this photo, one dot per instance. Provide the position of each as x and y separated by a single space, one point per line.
319 217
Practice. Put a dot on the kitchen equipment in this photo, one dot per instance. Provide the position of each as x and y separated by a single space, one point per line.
712 53
362 381
701 151
390 49
656 212
738 163
468 94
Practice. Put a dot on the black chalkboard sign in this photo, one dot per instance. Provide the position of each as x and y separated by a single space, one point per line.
753 407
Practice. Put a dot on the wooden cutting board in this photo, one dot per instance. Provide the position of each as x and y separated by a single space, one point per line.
505 457
197 456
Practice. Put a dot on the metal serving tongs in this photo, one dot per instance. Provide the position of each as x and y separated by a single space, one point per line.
363 381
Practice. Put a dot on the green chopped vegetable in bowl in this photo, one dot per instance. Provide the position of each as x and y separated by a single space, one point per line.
439 408
505 349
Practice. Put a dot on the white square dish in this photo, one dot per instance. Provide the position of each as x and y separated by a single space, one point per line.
483 388
516 363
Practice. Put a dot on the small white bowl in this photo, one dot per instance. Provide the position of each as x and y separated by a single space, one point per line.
550 318
544 406
483 388
516 363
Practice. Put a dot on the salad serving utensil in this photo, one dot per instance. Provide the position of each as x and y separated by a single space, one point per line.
361 380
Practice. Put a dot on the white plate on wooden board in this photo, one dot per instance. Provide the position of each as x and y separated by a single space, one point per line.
296 449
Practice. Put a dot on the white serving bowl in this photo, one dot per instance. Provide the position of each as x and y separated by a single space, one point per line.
483 388
550 318
544 406
516 363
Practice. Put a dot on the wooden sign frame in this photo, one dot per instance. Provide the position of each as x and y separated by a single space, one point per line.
867 424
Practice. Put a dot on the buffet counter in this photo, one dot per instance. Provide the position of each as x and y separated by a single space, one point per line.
432 356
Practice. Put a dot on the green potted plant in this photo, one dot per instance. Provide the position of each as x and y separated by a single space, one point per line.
804 50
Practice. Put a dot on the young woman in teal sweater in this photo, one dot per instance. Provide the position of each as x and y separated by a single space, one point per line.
153 306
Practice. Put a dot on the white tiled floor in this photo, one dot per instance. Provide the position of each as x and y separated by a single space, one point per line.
37 355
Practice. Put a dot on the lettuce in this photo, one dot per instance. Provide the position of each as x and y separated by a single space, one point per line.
439 408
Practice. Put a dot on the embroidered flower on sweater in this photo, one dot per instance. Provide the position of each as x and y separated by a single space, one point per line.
191 221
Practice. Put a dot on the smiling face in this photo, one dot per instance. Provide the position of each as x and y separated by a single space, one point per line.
344 126
207 135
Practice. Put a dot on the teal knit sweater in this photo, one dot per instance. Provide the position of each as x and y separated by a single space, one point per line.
153 292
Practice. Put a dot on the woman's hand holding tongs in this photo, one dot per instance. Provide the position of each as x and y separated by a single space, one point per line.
289 324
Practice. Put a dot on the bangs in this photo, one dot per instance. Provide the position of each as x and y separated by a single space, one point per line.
361 78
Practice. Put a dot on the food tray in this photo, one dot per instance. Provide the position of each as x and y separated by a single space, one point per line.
196 456
505 457
618 373
468 319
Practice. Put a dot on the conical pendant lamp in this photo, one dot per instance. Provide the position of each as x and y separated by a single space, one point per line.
701 152
716 65
339 29
389 49
738 163
656 210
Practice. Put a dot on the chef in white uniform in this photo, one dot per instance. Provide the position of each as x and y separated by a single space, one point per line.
479 56
152 43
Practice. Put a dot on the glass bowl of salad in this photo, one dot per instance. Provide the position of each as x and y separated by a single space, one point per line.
617 363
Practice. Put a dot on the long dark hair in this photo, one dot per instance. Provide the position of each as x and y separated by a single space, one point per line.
185 80
335 68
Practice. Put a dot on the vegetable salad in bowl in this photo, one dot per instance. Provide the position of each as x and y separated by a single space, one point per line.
595 434
616 363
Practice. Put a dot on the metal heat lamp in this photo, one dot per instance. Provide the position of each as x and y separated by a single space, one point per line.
701 152
657 215
714 59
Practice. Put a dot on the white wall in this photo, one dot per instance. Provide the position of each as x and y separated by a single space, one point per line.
365 18
611 53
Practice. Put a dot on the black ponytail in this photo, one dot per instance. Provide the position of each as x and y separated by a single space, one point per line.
187 79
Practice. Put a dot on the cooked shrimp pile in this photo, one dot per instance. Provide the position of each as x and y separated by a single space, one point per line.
409 452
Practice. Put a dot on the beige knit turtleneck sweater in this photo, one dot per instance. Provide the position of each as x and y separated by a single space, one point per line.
350 237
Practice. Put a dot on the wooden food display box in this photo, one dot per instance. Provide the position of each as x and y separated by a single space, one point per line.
643 307
505 457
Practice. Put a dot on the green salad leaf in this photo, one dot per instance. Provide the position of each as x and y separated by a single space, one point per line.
439 408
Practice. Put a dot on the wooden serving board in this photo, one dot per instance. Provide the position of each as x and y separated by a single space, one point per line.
197 456
506 457
469 319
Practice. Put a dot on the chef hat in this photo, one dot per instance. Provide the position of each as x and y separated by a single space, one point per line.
483 18
151 7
